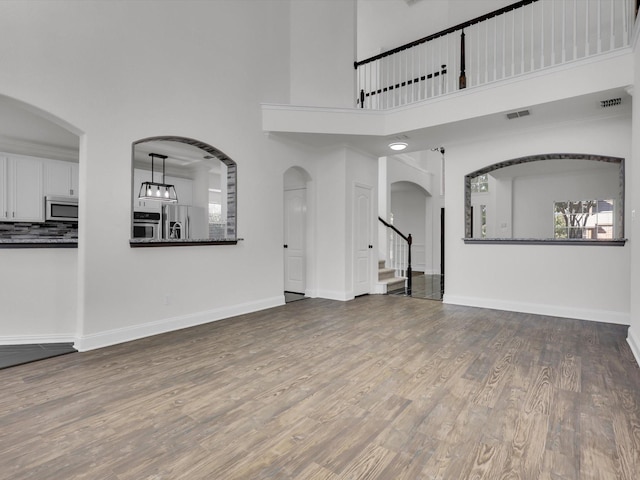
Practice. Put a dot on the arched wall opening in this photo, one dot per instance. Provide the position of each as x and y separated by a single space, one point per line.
52 147
207 206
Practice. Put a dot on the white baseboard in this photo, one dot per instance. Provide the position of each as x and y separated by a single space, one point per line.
335 295
37 339
605 316
134 332
634 342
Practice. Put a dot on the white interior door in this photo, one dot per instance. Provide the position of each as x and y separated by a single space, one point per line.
295 211
363 235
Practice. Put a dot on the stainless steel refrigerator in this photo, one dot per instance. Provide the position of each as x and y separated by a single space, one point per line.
181 222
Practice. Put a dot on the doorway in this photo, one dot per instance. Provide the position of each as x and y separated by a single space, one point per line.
415 211
295 233
362 238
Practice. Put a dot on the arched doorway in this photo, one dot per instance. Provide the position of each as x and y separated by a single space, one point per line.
295 237
413 212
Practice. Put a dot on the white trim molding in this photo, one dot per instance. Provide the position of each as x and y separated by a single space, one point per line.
634 342
604 316
335 295
135 332
37 339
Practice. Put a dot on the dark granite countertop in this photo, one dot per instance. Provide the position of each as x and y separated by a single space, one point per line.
148 242
545 241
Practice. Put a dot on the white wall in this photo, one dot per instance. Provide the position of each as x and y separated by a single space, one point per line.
122 71
633 227
533 197
386 24
409 208
38 295
322 53
537 278
337 172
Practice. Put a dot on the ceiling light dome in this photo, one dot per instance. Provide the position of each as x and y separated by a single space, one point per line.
398 146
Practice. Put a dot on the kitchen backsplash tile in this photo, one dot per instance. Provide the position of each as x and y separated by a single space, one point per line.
22 230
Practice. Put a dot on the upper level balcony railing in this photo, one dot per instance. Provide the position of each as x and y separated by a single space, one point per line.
519 39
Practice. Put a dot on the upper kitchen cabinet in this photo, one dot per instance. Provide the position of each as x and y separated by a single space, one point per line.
141 205
21 198
184 189
61 178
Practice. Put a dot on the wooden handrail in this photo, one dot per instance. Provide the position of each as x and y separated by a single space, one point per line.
394 229
447 31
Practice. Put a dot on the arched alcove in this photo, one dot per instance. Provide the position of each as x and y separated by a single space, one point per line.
204 180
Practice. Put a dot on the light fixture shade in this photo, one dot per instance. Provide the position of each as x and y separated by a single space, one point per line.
398 146
161 192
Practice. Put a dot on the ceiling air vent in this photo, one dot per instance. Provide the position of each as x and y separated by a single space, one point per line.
612 102
521 113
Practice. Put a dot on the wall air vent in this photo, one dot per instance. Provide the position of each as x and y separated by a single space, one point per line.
521 113
612 102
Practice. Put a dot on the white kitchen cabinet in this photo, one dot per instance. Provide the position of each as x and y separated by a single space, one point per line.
184 189
61 178
21 181
139 205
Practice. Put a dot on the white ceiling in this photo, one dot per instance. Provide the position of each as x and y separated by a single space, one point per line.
24 131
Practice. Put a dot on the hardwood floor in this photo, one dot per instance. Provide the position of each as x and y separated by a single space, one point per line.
381 387
11 355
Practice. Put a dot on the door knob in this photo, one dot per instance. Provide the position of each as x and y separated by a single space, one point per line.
286 246
370 246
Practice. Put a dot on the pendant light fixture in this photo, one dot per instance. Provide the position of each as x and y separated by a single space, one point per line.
153 190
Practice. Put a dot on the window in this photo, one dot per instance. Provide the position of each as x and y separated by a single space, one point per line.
480 184
483 221
586 219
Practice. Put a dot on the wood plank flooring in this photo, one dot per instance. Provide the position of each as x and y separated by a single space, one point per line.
381 387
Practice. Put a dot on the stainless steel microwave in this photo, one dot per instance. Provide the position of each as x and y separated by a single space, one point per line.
61 209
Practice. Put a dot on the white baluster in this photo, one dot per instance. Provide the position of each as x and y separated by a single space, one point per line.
542 34
612 38
504 44
532 38
513 43
587 48
553 34
625 23
575 30
486 52
598 18
564 31
495 46
522 40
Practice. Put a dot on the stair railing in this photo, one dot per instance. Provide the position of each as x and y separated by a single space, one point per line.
400 253
526 36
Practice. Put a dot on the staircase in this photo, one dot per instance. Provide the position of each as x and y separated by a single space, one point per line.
388 280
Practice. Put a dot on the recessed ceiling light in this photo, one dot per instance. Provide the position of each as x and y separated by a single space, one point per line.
398 146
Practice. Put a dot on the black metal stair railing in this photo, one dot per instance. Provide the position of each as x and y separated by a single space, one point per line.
404 267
